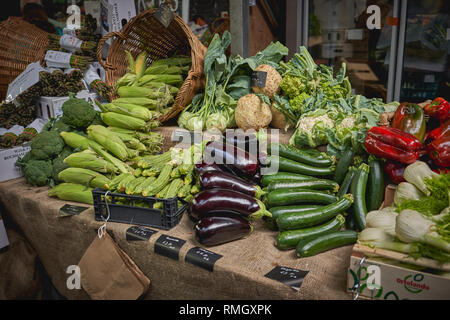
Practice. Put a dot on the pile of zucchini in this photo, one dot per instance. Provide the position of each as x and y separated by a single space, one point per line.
316 204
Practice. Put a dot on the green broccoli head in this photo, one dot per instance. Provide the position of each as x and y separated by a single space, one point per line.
58 163
46 145
60 126
38 172
292 86
78 113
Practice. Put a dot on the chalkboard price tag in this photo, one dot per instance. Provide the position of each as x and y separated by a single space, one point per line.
164 14
168 246
289 276
202 258
259 79
137 233
70 210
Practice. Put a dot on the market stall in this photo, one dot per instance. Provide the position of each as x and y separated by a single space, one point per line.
139 150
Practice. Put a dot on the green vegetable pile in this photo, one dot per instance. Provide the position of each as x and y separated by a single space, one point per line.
227 80
321 107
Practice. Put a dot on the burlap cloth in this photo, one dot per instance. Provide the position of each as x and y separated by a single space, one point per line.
239 274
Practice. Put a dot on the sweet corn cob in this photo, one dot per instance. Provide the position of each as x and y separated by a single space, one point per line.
144 102
172 79
75 140
84 177
110 142
72 192
129 110
89 160
123 167
122 121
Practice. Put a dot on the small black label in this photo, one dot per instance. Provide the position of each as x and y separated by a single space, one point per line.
136 233
202 258
291 277
70 210
164 14
259 79
168 246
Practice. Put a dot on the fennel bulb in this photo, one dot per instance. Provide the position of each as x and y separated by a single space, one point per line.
407 191
411 226
416 172
378 238
382 219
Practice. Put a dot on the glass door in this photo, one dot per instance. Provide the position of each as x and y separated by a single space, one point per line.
425 72
338 32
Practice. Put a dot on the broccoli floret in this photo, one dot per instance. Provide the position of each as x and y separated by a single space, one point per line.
292 86
60 126
46 145
58 163
97 120
78 113
21 162
38 172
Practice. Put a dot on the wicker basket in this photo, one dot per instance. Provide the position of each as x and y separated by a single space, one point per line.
21 43
145 32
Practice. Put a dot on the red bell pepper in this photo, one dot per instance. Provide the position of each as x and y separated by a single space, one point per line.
439 151
441 131
439 108
395 171
410 118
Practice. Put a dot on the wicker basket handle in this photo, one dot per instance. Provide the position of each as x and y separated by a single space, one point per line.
100 48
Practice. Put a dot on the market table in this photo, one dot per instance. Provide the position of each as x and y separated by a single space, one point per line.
239 274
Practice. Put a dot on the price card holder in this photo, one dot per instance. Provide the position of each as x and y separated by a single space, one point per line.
169 246
259 79
164 14
289 276
70 210
202 258
137 233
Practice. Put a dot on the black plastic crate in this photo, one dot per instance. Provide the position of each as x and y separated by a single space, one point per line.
166 218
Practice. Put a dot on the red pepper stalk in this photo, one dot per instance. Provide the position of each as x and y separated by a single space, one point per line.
439 108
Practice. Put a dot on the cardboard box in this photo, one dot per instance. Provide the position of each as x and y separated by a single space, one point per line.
396 282
4 242
114 14
8 158
51 107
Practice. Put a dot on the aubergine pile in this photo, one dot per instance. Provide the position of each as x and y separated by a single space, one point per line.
230 198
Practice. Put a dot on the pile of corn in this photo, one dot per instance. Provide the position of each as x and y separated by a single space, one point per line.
154 87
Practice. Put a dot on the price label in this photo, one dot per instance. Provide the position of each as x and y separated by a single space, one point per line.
164 14
169 246
70 210
289 276
137 233
29 77
202 258
57 59
259 79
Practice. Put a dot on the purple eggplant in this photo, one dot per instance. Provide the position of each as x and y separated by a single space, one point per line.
223 180
203 167
215 230
222 199
238 159
195 216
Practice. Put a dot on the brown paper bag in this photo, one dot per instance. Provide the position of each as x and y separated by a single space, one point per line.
108 273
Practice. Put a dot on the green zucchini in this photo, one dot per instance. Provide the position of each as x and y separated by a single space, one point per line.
284 197
293 221
375 184
288 165
278 211
358 190
321 184
343 164
289 239
325 242
345 186
284 176
292 153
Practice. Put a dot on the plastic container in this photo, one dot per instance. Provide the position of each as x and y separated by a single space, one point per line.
166 218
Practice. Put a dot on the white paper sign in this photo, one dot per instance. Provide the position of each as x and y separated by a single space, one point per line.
37 124
70 43
16 129
91 75
57 59
29 77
